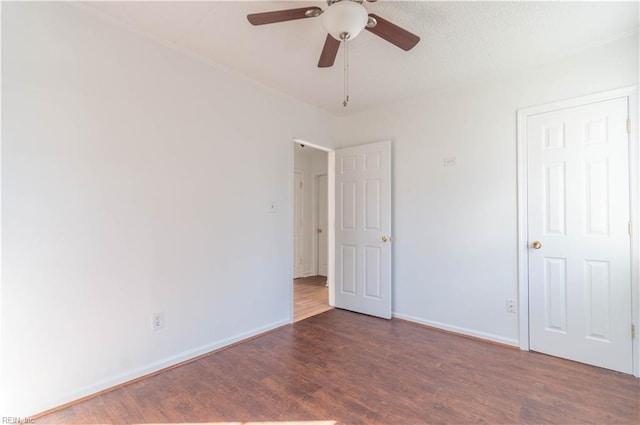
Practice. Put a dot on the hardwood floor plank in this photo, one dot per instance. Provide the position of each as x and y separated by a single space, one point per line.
356 369
310 297
121 407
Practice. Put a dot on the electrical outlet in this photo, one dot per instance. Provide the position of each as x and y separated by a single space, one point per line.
157 321
511 305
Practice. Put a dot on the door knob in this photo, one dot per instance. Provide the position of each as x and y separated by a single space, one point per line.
536 245
384 239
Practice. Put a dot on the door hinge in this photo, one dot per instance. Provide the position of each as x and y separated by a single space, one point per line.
633 331
630 229
629 125
300 185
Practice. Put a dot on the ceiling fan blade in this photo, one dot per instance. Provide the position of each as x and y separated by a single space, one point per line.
283 15
329 52
393 33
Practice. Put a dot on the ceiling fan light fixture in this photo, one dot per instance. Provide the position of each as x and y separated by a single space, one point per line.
345 19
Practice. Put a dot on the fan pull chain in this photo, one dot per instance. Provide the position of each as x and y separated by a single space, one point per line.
346 72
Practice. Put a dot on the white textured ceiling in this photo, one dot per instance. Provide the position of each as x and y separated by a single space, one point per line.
461 42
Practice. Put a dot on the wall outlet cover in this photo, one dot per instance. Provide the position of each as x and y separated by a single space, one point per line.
157 321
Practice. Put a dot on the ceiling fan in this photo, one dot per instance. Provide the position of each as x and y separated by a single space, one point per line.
343 20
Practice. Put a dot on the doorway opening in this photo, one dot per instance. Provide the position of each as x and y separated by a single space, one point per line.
310 231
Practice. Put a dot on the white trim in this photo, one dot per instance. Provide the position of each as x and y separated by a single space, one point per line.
634 176
139 372
311 145
634 165
459 330
331 226
578 101
523 224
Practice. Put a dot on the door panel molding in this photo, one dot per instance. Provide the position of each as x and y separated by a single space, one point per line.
554 139
298 224
321 223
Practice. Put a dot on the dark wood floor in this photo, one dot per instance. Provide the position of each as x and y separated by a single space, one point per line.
310 297
356 369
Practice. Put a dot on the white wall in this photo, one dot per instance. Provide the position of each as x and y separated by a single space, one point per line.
127 189
310 162
455 228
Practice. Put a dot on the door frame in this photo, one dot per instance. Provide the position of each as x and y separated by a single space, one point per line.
330 218
631 93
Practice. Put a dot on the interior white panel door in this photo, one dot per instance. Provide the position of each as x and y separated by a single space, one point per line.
363 226
578 211
322 225
298 225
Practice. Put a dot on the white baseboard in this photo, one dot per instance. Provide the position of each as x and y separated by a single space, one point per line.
151 368
460 330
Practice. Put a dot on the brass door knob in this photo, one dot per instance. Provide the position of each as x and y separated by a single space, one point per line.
536 245
384 239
